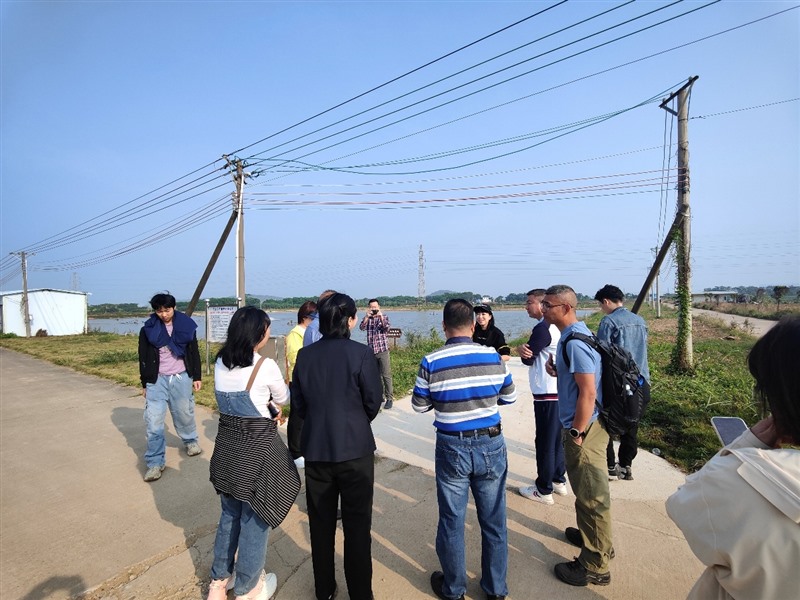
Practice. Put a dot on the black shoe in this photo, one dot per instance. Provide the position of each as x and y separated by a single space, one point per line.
573 536
388 405
574 573
494 597
625 473
613 473
437 581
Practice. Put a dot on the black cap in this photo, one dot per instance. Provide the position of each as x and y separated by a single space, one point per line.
483 308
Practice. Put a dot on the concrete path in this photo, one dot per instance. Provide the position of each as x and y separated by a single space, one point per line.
78 519
755 327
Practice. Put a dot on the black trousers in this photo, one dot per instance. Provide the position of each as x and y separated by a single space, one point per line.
628 443
353 480
294 429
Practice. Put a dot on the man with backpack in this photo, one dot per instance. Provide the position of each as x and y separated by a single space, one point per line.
579 372
628 330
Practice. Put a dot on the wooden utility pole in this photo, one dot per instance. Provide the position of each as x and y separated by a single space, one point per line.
680 232
26 313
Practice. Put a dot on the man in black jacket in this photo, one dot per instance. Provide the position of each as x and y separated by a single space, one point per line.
169 367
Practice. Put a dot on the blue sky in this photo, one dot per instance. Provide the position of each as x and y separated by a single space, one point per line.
531 182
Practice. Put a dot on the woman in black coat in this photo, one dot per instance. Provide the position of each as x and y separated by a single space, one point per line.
487 333
337 391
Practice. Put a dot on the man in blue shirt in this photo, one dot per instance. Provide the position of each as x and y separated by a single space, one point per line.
463 383
579 369
624 328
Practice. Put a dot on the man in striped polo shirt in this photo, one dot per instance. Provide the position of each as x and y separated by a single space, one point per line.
463 383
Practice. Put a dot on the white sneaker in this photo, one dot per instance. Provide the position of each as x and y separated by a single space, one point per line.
531 493
560 489
300 462
264 590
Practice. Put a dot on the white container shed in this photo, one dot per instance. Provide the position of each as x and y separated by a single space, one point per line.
58 312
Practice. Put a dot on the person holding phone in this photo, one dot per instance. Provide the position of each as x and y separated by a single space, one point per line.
376 324
740 513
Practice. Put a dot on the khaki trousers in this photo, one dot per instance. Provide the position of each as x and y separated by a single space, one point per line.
588 475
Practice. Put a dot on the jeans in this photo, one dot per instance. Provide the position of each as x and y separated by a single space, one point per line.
586 467
385 363
175 392
550 466
354 480
479 464
240 528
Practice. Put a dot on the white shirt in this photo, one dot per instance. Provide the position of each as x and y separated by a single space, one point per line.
268 385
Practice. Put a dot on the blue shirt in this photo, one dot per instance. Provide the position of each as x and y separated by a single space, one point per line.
626 329
312 333
582 359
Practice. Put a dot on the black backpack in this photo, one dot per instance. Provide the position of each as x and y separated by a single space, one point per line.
623 393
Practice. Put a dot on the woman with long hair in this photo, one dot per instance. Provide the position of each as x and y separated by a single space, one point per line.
487 333
740 513
251 468
337 390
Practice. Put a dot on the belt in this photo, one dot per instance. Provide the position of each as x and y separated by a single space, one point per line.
492 431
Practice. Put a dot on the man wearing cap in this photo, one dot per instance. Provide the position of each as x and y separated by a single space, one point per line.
463 383
487 334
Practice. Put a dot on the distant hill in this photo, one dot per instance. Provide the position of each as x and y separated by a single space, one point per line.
442 293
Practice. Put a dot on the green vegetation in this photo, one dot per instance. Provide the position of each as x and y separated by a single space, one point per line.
767 310
677 421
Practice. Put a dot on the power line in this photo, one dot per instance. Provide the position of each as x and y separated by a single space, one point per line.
429 63
736 110
481 90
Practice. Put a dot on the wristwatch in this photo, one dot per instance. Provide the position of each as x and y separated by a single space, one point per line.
577 434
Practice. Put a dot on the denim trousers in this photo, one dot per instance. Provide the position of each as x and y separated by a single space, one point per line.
385 364
175 392
586 467
550 466
240 528
353 481
480 464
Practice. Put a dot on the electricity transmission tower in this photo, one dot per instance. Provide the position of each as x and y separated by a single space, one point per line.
421 280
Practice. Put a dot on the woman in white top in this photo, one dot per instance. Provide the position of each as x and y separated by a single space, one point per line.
246 386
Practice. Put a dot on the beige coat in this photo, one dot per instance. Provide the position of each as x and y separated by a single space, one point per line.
741 516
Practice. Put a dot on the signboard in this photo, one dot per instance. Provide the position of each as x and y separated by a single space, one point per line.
218 319
394 332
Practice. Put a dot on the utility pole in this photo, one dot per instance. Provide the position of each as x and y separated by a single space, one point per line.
239 179
680 233
26 313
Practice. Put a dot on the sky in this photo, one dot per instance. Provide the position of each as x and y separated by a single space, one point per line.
520 144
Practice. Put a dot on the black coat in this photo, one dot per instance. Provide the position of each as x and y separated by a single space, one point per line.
336 388
149 360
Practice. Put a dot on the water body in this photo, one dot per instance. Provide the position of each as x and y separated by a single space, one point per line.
513 323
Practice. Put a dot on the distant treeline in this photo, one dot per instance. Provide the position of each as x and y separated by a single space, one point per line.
433 300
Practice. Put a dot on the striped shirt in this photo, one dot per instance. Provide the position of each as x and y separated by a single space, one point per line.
463 382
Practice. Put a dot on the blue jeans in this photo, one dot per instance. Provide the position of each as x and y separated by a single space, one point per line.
480 464
175 392
240 528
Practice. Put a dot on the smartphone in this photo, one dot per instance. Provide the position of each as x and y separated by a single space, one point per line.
728 428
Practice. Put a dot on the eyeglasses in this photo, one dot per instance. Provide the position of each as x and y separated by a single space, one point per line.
546 305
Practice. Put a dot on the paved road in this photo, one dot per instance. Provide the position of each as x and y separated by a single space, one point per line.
78 519
756 327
